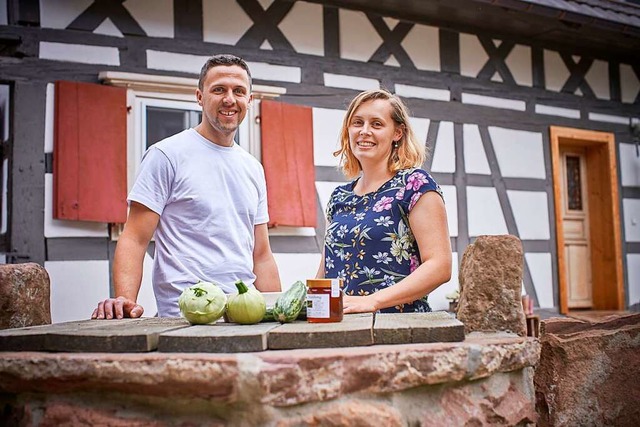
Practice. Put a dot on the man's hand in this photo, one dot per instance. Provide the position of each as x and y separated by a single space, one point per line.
117 308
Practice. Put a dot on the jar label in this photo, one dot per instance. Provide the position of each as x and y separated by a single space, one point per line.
318 306
335 288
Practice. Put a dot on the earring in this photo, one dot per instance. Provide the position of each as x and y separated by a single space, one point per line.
395 144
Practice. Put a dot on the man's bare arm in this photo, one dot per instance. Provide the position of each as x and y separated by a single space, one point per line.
264 264
127 265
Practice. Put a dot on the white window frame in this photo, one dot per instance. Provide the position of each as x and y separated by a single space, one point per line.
179 92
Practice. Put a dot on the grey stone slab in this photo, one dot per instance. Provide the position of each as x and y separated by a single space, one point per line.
354 330
34 338
404 328
219 337
118 336
114 336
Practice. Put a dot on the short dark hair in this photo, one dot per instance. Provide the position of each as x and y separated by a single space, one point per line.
222 59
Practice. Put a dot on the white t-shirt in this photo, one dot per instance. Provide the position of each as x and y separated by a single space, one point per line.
209 199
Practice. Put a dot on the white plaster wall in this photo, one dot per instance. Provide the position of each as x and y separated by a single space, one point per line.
475 159
420 128
293 267
472 55
444 154
437 298
224 28
49 117
541 275
631 214
326 132
408 91
156 21
76 288
303 27
325 189
358 38
519 153
629 83
484 214
108 28
422 44
555 72
350 82
280 73
79 53
519 63
60 13
531 213
629 165
451 205
598 79
3 12
609 118
146 297
171 61
64 228
550 110
493 101
633 275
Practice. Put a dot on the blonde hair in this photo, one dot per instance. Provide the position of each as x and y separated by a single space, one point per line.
409 152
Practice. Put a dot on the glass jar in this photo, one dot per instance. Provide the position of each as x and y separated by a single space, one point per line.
324 300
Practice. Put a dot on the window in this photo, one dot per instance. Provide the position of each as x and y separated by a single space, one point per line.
160 106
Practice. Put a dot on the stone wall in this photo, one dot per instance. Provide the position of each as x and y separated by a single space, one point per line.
487 379
589 373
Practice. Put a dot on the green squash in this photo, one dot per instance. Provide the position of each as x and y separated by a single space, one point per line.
202 303
247 306
289 305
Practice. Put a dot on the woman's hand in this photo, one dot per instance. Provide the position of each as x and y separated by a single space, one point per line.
353 304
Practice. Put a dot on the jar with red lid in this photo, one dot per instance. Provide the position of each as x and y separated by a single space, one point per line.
324 300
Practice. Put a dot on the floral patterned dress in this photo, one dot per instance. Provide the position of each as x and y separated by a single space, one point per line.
369 242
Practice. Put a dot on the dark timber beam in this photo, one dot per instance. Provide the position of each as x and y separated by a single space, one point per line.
100 10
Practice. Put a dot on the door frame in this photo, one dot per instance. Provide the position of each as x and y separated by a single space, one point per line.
604 215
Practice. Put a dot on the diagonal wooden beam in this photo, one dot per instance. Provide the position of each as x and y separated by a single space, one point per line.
432 138
391 42
100 10
331 30
497 60
578 71
265 24
187 19
636 70
509 218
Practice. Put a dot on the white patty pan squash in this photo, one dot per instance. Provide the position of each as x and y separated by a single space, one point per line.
202 303
247 306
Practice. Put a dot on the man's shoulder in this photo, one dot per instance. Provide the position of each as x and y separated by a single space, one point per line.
247 157
172 142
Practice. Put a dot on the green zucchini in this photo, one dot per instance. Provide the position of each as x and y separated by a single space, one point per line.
268 316
289 305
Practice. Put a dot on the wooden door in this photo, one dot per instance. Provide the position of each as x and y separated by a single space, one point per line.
589 242
575 221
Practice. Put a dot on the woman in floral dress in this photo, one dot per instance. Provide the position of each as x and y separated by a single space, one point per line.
387 233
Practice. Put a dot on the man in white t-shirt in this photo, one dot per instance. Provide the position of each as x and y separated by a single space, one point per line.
204 200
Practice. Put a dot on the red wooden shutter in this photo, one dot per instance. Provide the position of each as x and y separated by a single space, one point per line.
90 153
287 157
